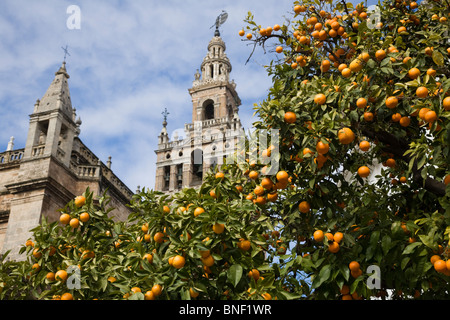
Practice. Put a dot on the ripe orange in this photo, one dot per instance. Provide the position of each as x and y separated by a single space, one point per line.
266 296
368 116
396 117
338 236
178 262
380 54
282 176
158 237
413 73
346 136
363 171
422 113
290 117
208 261
447 179
322 148
440 266
342 66
304 207
253 175
325 66
318 235
218 228
401 29
149 295
244 245
249 36
259 190
156 289
198 211
354 266
334 247
320 99
346 72
279 49
276 27
74 223
299 8
390 163
355 65
220 175
241 33
391 102
405 121
345 290
431 72
422 92
64 218
80 201
148 257
194 294
446 103
84 217
50 276
364 145
361 103
67 296
254 273
166 209
61 275
272 197
434 258
136 289
267 184
430 116
364 56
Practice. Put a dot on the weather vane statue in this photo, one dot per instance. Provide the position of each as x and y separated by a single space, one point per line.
220 21
165 114
66 52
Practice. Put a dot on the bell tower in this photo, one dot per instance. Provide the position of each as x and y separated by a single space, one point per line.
53 126
210 137
213 95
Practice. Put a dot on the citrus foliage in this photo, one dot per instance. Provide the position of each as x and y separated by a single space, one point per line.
363 181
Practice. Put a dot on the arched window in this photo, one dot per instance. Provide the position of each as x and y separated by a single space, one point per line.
208 107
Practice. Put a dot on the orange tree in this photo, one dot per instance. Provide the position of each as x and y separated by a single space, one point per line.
362 106
358 207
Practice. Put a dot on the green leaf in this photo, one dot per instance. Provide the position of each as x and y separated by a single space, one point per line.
438 58
324 275
386 244
234 274
428 241
411 247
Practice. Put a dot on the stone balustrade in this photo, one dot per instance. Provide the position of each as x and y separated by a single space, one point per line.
11 156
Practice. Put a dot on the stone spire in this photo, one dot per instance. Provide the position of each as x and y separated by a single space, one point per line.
57 95
10 144
164 136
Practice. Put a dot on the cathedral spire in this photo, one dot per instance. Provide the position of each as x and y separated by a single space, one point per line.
57 95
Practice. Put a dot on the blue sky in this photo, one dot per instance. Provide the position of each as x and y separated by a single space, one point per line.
128 61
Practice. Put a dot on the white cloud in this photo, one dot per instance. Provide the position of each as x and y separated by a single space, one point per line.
128 61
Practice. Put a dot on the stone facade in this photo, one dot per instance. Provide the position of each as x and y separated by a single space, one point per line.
215 129
54 167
